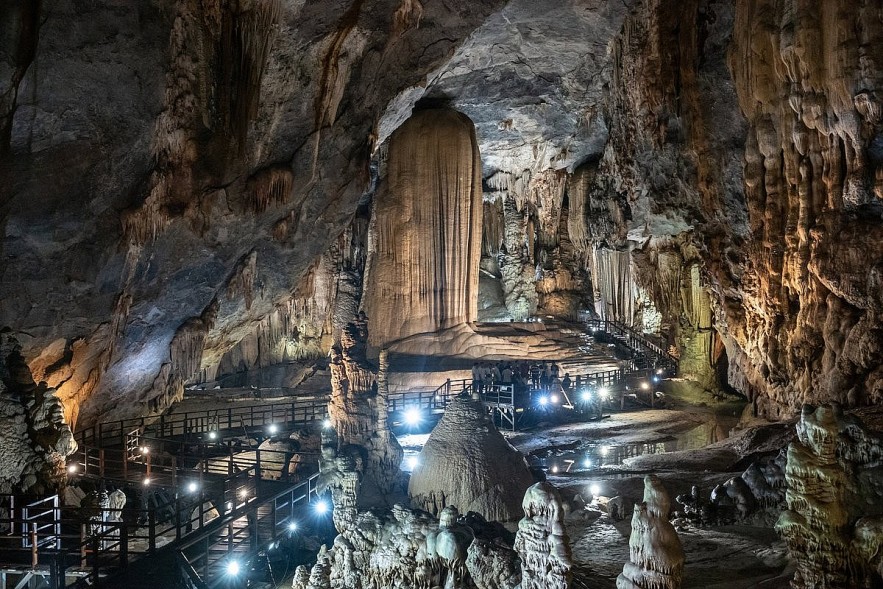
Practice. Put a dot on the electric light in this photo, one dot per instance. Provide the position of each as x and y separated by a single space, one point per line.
605 450
146 482
413 416
655 379
326 424
145 450
273 429
192 487
243 493
603 392
595 490
321 507
72 468
587 396
659 371
292 527
587 463
413 462
543 400
212 435
554 469
233 568
645 385
553 398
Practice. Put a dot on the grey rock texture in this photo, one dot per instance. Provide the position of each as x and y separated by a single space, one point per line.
185 186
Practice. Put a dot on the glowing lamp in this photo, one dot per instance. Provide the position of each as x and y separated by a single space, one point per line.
413 461
243 493
146 482
72 468
603 392
595 490
212 435
145 450
273 429
587 463
321 507
413 416
645 385
553 398
292 527
233 568
543 400
326 423
192 487
586 396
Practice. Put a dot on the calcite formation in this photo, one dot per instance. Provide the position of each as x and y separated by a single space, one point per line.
358 412
423 272
410 549
655 551
467 463
834 494
541 540
35 440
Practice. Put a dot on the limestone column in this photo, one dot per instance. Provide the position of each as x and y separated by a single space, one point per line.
423 274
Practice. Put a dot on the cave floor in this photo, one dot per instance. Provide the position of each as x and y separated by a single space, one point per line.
684 445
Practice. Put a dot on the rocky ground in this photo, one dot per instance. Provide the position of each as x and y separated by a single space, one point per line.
685 445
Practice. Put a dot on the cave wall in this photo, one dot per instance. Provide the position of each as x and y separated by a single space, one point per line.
172 171
807 77
742 168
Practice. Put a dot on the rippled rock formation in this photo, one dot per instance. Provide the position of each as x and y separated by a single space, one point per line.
541 540
35 440
467 463
835 501
423 272
656 554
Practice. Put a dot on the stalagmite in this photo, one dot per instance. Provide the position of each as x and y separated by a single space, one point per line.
541 541
423 275
358 413
657 558
467 463
833 480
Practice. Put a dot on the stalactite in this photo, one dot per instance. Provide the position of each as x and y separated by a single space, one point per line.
246 36
269 186
612 277
424 269
241 283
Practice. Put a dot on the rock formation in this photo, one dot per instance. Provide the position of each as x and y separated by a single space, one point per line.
34 438
423 271
656 555
541 540
358 412
468 464
835 502
410 549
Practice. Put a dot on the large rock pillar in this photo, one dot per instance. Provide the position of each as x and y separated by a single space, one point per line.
423 275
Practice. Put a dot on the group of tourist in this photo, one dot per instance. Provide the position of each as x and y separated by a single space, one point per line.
522 375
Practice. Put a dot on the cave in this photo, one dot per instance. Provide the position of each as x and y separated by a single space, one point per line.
509 294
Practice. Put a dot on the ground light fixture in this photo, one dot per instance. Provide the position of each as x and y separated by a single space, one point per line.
413 416
326 423
587 463
273 429
413 461
603 392
146 482
192 487
645 385
72 468
553 398
145 450
543 400
292 527
595 490
212 435
233 568
586 395
320 507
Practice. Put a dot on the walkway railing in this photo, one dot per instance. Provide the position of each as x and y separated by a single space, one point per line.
75 542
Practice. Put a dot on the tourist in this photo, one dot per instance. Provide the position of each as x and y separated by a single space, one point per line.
565 384
476 377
